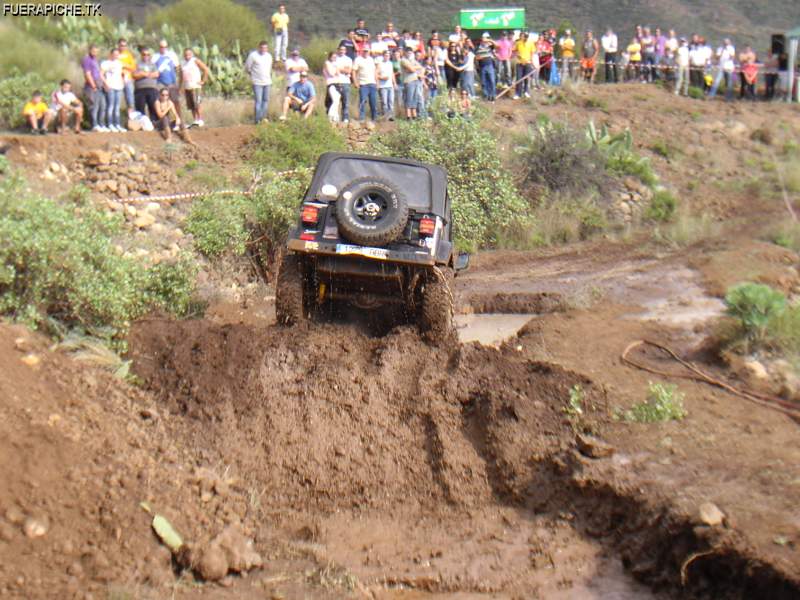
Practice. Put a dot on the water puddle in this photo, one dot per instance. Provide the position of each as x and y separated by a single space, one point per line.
489 329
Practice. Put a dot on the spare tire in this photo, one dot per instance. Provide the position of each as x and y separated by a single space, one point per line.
371 211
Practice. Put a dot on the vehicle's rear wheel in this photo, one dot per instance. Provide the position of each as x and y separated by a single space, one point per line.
371 212
436 307
291 302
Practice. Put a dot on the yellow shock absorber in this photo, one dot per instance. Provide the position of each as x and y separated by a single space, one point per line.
321 295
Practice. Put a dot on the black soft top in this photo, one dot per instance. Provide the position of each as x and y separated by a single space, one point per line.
424 185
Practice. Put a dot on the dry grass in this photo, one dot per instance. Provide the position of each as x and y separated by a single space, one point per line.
225 112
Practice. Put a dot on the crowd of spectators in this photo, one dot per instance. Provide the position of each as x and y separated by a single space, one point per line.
399 73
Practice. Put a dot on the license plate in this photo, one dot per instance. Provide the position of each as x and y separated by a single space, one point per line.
380 253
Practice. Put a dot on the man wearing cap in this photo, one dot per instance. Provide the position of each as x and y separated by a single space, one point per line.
259 67
300 97
484 56
294 66
280 28
412 86
364 71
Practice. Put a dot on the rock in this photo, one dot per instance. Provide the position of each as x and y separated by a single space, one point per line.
213 564
593 447
144 220
736 128
22 344
625 208
158 228
6 532
710 514
115 206
123 191
153 207
130 210
31 360
756 369
112 185
35 527
14 515
141 157
633 184
98 157
55 167
238 548
49 175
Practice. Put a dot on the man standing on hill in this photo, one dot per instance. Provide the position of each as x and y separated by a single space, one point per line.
349 44
259 67
93 89
194 74
168 64
485 56
503 50
128 67
589 53
366 82
610 44
280 27
523 50
682 60
567 46
726 64
295 65
412 87
344 65
146 85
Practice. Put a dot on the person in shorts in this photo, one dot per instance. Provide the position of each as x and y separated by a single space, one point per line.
66 105
300 97
37 114
194 74
167 118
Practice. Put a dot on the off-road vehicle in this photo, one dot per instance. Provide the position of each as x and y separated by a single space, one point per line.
374 232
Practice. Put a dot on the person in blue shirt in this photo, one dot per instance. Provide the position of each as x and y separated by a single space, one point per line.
168 65
300 97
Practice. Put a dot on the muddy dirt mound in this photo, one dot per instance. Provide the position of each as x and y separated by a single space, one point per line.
517 303
335 419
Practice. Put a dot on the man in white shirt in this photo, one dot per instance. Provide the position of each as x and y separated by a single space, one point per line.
610 50
295 65
345 66
726 64
683 61
65 104
259 67
698 60
365 79
385 73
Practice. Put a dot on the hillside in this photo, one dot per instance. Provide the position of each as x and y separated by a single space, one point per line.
746 21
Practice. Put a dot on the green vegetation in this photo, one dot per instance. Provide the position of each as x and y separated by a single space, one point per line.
685 229
574 406
662 207
485 200
22 53
787 236
57 263
696 93
295 143
754 306
219 22
664 403
664 149
621 158
316 51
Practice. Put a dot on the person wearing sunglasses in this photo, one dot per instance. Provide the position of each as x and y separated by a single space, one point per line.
167 117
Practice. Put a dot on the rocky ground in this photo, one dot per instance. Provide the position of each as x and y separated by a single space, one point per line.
327 461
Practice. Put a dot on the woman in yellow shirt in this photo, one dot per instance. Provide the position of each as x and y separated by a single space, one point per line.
128 67
634 59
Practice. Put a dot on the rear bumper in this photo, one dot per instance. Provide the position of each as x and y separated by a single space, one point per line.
379 255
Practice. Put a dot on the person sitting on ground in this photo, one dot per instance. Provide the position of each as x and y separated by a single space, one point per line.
65 105
301 97
167 117
167 63
466 104
37 114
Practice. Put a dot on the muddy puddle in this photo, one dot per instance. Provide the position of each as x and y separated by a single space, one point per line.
490 329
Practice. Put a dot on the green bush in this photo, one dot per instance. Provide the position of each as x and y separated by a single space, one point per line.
662 207
15 91
787 236
484 198
664 403
22 53
217 224
58 263
294 143
316 51
274 210
754 306
696 93
219 22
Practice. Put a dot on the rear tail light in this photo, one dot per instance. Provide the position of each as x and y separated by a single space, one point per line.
310 214
308 237
427 226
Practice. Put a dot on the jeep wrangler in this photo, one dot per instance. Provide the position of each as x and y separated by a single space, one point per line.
372 231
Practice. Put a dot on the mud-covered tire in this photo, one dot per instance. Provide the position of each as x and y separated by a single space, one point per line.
436 307
360 229
290 291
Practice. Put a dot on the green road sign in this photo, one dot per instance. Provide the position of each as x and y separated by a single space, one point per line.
493 18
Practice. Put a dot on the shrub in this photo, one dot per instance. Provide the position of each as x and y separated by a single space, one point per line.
273 211
687 229
557 157
484 198
22 53
664 149
58 262
217 224
696 93
662 207
316 51
787 236
294 143
754 305
219 22
15 90
664 403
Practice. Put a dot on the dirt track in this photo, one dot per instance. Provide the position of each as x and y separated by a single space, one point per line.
381 467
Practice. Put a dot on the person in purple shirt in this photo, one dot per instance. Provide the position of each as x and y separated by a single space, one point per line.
93 89
661 53
503 49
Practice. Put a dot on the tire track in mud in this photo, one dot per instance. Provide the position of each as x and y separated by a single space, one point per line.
326 419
